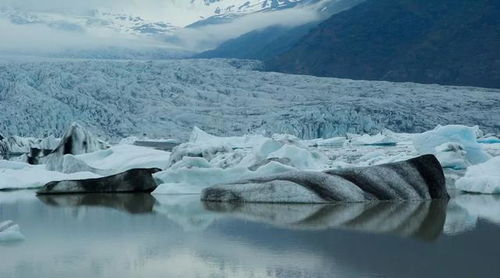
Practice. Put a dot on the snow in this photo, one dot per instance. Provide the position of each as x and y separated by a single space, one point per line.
482 178
126 157
165 99
18 175
431 142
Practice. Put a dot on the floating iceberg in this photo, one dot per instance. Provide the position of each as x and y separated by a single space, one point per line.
19 175
420 178
374 140
482 178
208 160
427 142
80 155
131 181
452 156
75 141
10 232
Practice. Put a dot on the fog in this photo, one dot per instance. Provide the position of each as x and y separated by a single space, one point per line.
64 25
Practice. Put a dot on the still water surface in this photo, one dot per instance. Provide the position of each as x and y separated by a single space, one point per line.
178 236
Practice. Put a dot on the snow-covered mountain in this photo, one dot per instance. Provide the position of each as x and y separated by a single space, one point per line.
94 20
213 11
150 29
166 99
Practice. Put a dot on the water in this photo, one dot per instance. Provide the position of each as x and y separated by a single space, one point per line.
178 236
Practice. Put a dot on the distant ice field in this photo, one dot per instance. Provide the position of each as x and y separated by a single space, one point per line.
165 99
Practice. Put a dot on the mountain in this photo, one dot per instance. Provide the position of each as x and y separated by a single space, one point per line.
123 32
91 20
427 41
223 11
269 42
264 43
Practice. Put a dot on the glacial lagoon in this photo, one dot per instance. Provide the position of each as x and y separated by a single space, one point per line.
178 236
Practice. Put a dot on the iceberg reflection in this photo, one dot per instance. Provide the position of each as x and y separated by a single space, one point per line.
130 203
421 220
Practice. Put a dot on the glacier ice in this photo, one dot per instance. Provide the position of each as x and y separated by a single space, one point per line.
482 178
165 99
427 142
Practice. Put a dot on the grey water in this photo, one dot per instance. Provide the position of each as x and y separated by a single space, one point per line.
179 236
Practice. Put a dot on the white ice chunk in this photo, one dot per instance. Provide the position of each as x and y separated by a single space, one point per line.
482 178
374 140
10 232
426 143
452 155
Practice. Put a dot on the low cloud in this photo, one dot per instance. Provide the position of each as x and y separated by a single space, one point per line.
51 36
209 36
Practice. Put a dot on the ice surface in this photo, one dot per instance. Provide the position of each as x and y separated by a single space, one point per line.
18 175
165 99
427 142
482 178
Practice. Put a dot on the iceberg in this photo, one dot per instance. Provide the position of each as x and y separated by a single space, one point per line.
482 178
10 232
373 140
452 156
427 142
420 178
135 180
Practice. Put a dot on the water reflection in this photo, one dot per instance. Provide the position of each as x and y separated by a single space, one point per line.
131 203
183 237
422 220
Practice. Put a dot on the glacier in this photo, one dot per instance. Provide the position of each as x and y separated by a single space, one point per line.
165 99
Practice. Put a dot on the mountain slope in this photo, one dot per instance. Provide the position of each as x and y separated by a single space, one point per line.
426 41
260 44
264 44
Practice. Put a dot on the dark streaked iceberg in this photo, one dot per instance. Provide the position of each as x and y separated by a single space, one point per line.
135 180
420 178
